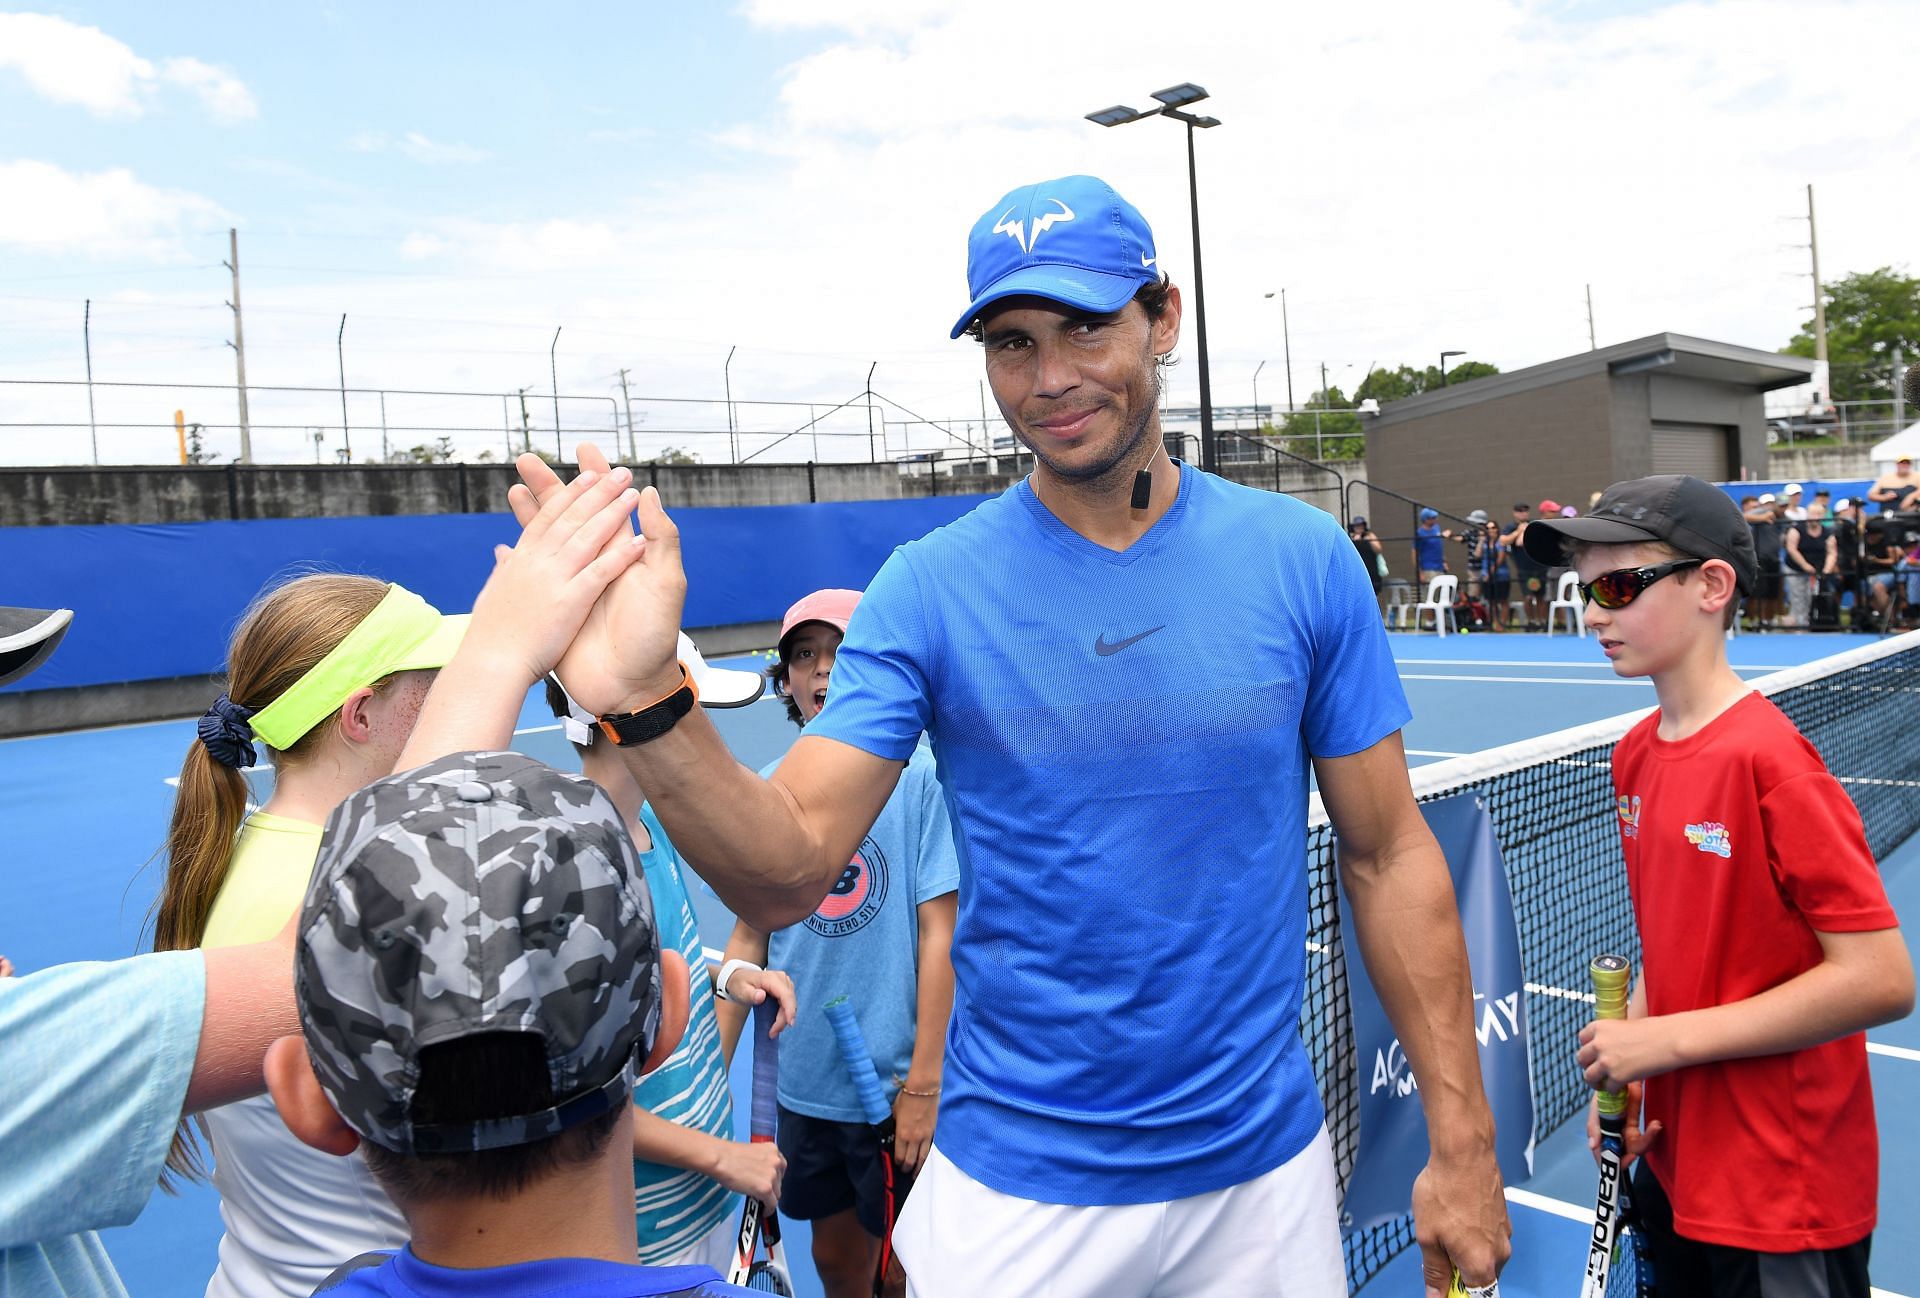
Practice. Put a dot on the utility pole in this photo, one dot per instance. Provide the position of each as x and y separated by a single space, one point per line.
506 422
86 337
1286 341
1819 298
633 446
553 371
239 345
384 453
1592 346
340 349
726 377
1899 388
526 431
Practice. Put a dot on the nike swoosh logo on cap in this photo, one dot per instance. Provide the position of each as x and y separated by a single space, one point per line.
1146 260
1105 650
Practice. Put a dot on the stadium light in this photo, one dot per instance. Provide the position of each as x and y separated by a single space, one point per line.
1172 100
1443 365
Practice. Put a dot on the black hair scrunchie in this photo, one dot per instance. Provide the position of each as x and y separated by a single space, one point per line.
226 733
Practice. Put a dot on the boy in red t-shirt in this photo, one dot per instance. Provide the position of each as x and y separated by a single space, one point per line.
1768 945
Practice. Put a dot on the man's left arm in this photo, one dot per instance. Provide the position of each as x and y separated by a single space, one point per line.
1408 926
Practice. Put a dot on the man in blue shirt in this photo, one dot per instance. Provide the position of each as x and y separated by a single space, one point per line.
1429 547
1124 667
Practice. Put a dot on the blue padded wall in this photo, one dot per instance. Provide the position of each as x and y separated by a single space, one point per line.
156 601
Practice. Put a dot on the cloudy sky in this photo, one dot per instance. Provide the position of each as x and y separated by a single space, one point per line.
792 180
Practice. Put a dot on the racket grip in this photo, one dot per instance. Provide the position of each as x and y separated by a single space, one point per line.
766 1070
1611 975
853 1050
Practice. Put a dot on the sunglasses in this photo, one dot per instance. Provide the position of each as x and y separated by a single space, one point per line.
1622 586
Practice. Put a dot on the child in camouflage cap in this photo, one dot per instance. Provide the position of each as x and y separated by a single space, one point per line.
478 974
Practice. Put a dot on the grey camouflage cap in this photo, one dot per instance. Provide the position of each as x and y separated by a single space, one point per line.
484 892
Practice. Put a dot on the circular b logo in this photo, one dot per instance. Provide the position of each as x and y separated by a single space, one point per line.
856 896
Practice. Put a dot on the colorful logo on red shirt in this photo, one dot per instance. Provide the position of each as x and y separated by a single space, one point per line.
856 896
1629 816
1711 836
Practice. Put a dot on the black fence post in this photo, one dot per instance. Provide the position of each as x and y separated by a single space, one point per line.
233 490
813 496
465 505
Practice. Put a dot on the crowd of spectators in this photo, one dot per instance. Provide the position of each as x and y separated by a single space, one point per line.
1824 562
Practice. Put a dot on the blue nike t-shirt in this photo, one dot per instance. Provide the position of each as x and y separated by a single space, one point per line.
403 1275
1124 740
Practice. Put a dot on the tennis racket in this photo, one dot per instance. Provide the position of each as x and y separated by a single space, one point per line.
761 1221
873 1103
1615 1262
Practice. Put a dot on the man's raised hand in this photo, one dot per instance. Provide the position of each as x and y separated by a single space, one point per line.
624 654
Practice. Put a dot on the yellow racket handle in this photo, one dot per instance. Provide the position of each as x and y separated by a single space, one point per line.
1460 1289
1611 975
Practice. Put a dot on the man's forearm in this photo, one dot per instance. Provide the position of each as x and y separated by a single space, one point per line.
739 832
1409 932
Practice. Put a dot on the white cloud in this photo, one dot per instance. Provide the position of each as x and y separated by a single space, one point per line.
68 63
414 145
221 93
97 215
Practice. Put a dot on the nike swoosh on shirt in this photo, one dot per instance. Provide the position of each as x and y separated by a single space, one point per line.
1105 650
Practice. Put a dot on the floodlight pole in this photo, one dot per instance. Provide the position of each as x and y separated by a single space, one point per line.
86 337
726 378
1172 100
1443 365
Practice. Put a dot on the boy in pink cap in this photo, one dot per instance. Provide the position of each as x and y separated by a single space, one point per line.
881 938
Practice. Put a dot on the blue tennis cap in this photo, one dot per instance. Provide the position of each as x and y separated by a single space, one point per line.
1072 240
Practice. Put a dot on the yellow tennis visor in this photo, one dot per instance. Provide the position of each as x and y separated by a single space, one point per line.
404 633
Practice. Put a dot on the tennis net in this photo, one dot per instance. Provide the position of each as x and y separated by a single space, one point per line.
1551 800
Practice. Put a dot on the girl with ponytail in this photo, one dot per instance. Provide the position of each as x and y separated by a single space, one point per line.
326 673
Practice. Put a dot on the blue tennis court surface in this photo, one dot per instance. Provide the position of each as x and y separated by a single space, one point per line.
86 811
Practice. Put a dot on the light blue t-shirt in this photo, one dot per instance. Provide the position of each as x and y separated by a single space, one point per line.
1124 742
94 1063
674 1207
863 942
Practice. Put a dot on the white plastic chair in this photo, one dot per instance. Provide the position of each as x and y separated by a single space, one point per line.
1399 602
1439 602
1568 598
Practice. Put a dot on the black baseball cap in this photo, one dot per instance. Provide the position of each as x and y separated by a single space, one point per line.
28 637
1694 517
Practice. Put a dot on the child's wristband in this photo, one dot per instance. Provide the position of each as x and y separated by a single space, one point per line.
727 971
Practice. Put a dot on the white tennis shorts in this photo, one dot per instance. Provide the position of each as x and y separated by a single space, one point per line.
1278 1234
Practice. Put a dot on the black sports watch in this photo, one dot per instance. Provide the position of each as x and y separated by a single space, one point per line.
628 729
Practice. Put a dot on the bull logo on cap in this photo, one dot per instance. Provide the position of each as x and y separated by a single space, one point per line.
1017 231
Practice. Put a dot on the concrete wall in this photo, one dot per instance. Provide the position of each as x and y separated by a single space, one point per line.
1819 464
49 497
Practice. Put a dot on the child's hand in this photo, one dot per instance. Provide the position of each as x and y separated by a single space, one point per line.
1614 1052
625 651
1636 1140
752 986
755 1170
541 589
913 1117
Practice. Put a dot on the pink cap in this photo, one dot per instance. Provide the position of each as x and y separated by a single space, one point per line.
1550 507
834 607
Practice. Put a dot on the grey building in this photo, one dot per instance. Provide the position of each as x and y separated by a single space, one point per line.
1565 429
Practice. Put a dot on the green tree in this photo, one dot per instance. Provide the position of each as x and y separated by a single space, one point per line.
674 455
1869 313
1403 381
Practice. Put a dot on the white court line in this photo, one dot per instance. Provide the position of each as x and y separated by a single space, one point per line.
1520 680
1543 662
1894 1052
1574 1212
1432 752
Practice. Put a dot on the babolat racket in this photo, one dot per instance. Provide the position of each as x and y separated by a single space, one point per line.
759 1220
1615 1265
873 1103
1461 1289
